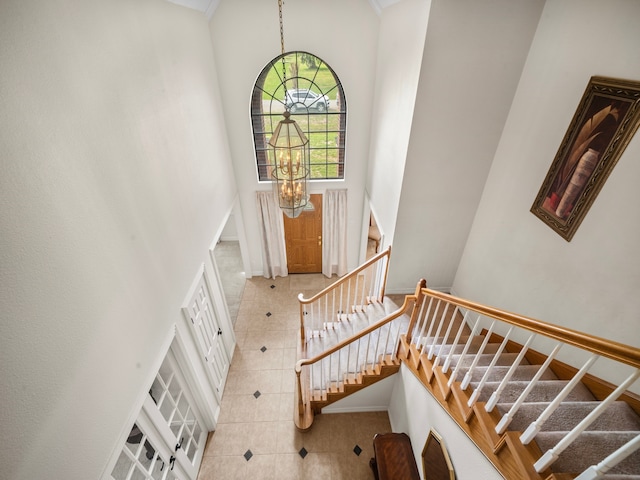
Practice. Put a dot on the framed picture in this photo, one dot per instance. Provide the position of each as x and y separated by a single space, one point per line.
436 464
607 117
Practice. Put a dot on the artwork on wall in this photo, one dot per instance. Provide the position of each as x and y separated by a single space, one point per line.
436 464
606 118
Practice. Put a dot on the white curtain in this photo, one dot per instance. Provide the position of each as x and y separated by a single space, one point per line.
274 251
334 226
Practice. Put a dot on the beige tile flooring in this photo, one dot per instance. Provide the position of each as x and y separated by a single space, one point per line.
257 406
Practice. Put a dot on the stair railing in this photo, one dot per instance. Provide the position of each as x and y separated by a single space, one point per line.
357 355
424 335
346 297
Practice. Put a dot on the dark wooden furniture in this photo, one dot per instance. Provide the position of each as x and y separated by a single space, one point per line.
394 458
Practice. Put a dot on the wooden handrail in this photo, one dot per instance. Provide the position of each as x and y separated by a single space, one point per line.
606 348
347 277
374 326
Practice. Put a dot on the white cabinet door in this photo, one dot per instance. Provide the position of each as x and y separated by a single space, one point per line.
207 331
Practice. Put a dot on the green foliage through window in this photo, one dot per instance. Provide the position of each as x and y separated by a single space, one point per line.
316 101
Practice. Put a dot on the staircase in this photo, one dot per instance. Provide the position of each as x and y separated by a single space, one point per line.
533 416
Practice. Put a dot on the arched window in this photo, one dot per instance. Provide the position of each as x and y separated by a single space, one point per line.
316 101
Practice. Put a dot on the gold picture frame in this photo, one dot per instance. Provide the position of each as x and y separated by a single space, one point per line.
606 119
436 464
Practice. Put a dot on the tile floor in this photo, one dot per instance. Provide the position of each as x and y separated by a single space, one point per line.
255 436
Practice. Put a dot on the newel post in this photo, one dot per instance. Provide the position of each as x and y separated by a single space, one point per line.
302 336
419 297
300 399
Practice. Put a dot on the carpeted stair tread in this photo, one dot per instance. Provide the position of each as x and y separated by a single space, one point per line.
474 347
523 372
619 416
485 359
589 448
336 332
621 477
542 392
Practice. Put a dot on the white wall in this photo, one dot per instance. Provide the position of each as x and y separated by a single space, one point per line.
415 412
115 176
473 58
246 37
374 398
400 44
514 260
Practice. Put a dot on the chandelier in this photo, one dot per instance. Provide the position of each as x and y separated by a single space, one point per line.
289 155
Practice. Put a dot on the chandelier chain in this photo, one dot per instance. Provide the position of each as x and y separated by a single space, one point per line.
284 69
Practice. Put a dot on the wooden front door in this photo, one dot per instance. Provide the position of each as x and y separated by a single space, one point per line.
303 236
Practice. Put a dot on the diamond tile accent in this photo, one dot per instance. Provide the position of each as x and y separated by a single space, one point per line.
248 455
257 393
263 349
357 450
303 452
268 314
273 286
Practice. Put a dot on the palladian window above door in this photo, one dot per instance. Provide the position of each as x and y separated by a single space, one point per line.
310 90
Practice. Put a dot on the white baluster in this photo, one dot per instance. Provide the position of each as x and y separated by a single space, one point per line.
322 377
597 471
430 329
438 330
375 353
476 393
367 351
325 315
334 314
454 374
446 336
552 454
508 417
397 339
467 378
495 396
379 269
422 321
346 300
447 362
386 340
535 426
329 376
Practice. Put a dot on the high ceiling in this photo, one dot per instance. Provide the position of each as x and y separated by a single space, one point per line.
208 7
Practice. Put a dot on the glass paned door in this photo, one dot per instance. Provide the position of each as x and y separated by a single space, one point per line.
181 421
140 460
